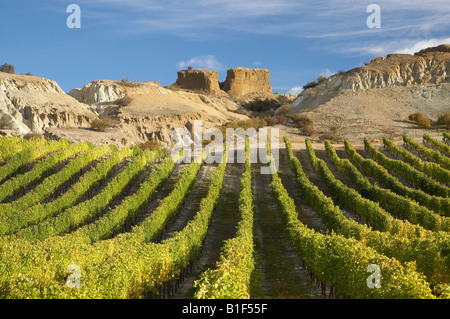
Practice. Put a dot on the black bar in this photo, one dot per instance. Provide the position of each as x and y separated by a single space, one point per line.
253 308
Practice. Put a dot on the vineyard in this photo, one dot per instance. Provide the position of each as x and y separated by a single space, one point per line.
85 221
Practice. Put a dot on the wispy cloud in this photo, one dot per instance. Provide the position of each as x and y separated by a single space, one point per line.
408 46
327 73
313 18
296 90
203 62
423 45
336 25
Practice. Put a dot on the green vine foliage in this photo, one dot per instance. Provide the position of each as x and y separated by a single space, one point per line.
232 277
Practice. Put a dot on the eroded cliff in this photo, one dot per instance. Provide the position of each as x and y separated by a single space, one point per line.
30 104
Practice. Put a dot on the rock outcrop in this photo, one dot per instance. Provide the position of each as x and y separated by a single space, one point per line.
198 80
439 48
151 112
427 67
243 81
30 104
375 100
98 92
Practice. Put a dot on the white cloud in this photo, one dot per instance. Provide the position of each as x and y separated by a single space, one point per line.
416 47
405 46
333 25
201 62
296 90
327 73
338 20
257 63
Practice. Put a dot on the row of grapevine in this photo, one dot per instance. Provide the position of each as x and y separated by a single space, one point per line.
34 261
120 267
431 154
339 261
369 167
112 221
430 261
232 276
74 216
47 187
49 163
10 146
186 245
437 144
418 178
372 214
431 168
392 202
446 137
30 154
153 226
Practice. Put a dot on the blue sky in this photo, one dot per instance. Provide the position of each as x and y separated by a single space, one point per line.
149 40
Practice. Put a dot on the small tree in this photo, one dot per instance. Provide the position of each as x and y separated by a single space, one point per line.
7 68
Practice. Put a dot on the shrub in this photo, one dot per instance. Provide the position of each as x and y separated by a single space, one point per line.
424 122
335 128
309 130
7 68
151 145
262 105
102 124
30 136
321 78
444 119
302 120
256 123
283 109
129 83
415 116
420 119
279 119
304 123
328 136
310 85
125 101
313 84
6 123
